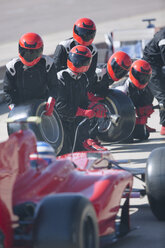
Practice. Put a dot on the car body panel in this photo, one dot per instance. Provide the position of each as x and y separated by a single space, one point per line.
20 182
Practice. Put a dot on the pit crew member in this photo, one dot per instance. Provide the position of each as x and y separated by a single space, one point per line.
32 75
84 31
116 68
136 87
72 101
154 53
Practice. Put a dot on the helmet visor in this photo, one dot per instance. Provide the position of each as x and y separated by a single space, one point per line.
118 70
79 60
85 34
30 54
142 78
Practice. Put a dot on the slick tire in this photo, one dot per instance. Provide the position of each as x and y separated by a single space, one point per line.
155 182
120 104
49 130
65 221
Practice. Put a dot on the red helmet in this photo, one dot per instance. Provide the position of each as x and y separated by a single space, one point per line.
79 59
140 73
30 48
118 65
84 31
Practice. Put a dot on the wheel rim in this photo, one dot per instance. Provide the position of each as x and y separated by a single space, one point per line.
104 123
49 128
118 104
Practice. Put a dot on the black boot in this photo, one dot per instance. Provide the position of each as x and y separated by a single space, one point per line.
140 132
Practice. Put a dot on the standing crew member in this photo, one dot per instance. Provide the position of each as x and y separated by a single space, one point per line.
84 31
31 75
154 53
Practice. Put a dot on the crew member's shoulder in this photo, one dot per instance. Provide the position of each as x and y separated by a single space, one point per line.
93 49
159 37
161 31
49 62
100 72
67 44
12 64
160 34
62 75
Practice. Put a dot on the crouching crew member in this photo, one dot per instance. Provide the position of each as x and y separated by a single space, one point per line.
116 68
72 101
136 87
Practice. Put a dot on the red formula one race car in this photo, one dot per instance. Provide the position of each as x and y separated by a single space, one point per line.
71 203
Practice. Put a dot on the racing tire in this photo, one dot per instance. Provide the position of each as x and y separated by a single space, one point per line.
49 130
119 104
65 221
155 182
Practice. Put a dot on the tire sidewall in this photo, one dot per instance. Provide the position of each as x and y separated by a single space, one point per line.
65 215
119 104
37 108
155 182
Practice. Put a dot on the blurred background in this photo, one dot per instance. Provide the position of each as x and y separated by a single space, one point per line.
54 19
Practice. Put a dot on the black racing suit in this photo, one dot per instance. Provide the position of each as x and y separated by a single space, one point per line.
60 59
100 86
101 81
22 83
142 100
139 97
71 95
154 53
61 55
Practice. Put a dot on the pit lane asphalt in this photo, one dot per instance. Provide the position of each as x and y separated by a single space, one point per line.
18 17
